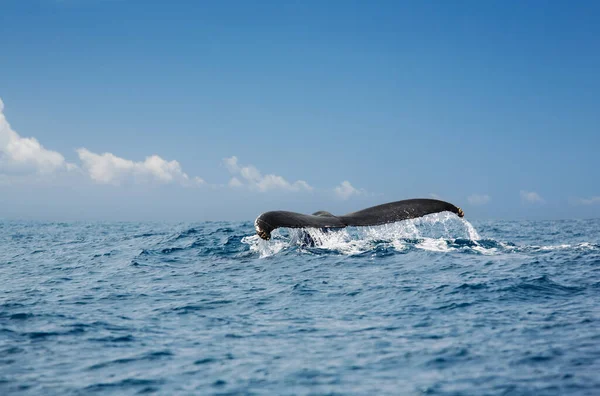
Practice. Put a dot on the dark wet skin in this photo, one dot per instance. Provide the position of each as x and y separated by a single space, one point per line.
376 215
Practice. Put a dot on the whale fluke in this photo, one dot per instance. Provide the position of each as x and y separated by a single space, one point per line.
376 215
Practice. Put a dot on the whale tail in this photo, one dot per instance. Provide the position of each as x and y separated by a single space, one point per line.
376 215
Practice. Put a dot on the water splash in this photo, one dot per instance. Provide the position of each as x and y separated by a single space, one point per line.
473 234
266 248
435 232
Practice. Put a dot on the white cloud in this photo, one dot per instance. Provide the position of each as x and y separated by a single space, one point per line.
590 201
251 177
478 199
26 155
235 182
345 190
20 156
434 196
107 168
531 197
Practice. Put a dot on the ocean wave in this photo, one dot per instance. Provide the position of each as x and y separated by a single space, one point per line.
434 305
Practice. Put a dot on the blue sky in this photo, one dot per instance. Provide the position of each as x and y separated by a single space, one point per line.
135 110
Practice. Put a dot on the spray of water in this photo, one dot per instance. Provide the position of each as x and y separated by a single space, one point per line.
432 232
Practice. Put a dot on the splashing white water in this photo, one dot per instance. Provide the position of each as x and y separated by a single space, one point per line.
266 248
578 246
432 233
473 234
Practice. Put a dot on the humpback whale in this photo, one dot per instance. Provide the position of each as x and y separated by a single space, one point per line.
376 215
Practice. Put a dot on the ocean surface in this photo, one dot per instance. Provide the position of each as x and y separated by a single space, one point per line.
434 306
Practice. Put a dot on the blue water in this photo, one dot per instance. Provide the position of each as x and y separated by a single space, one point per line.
429 306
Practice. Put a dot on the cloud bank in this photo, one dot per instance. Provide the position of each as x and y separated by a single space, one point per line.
590 201
22 156
531 197
107 168
249 176
19 155
26 155
346 190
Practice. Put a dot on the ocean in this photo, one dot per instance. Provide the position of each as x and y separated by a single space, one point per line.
435 306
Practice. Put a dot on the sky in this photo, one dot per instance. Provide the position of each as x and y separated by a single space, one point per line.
221 110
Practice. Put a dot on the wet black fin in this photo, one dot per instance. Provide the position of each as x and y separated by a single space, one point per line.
267 222
397 211
376 215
